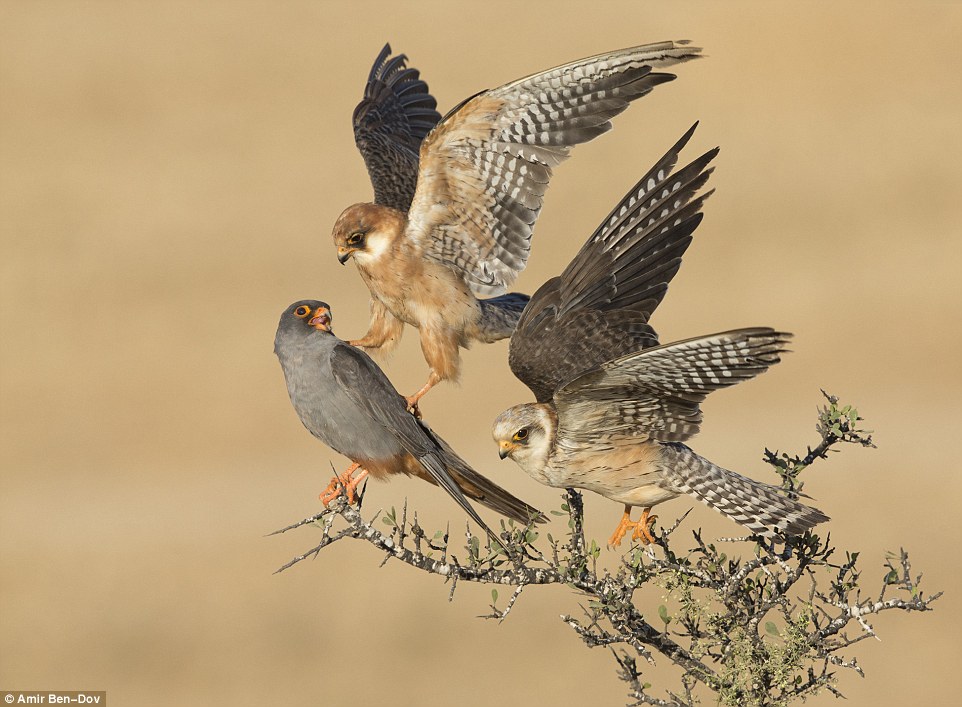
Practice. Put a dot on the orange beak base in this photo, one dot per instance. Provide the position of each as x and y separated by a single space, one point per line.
321 319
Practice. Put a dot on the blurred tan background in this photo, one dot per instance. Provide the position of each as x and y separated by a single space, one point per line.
170 173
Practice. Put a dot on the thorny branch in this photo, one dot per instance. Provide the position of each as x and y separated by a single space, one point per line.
765 630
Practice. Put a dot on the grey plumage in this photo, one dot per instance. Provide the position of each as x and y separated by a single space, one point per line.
344 399
500 315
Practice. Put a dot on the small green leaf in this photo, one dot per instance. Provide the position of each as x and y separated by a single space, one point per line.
494 596
663 614
771 628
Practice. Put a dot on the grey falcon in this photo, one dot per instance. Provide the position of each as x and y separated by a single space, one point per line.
613 407
345 400
442 257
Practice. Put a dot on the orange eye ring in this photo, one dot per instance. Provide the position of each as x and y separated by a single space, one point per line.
302 311
521 434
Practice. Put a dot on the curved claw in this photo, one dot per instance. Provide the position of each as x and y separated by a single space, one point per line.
412 400
641 529
344 484
412 405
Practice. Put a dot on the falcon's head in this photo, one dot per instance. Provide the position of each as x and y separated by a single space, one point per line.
365 232
525 433
304 317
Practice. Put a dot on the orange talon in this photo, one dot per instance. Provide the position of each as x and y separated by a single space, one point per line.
344 484
412 400
641 529
412 405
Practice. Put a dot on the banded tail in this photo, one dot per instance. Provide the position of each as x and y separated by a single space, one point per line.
761 508
500 315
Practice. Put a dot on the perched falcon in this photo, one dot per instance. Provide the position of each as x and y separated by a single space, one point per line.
614 408
481 180
345 400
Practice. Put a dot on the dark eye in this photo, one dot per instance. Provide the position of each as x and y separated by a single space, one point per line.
521 434
302 311
355 238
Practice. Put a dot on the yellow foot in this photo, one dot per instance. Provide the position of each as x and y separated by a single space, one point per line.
344 484
641 529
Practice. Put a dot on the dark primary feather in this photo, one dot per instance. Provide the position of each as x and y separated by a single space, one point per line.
390 123
598 308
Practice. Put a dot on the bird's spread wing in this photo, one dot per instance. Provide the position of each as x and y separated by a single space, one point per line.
655 393
367 386
484 170
389 124
598 308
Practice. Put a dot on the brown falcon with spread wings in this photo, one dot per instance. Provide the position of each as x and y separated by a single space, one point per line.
481 177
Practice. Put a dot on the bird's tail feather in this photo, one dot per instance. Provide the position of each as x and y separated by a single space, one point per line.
761 508
478 488
488 493
500 315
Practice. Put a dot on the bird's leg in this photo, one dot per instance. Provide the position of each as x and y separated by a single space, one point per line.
643 527
412 400
351 488
623 527
367 342
640 528
343 483
384 331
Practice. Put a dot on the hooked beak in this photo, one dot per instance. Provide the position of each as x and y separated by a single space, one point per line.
344 254
321 319
504 449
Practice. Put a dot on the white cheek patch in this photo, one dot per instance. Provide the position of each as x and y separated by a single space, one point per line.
375 247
